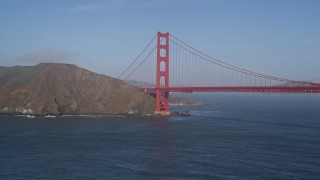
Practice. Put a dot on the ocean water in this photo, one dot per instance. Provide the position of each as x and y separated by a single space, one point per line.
235 136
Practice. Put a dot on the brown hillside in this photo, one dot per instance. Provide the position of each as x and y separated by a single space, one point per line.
61 89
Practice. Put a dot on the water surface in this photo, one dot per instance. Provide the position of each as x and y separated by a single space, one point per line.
236 136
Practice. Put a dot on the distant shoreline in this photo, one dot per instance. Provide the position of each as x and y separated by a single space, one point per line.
190 104
71 115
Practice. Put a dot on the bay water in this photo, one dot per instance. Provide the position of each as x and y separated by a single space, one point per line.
233 136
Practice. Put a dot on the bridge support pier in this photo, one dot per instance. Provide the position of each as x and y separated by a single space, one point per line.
162 77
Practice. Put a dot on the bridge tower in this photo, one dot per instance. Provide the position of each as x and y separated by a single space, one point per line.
162 77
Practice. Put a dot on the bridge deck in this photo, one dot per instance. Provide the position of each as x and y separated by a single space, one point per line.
271 89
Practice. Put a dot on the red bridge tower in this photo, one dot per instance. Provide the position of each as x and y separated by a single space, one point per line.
162 79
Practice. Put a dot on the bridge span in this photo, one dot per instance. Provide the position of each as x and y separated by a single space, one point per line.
168 64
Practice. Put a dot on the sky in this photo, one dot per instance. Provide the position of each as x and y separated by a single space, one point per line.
274 37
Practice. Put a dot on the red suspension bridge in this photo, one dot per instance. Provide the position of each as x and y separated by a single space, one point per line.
168 64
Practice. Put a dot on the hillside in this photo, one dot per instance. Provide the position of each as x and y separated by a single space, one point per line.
64 89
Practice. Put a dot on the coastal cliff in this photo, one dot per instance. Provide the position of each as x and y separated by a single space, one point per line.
65 89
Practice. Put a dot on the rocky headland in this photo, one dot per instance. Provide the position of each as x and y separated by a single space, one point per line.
65 89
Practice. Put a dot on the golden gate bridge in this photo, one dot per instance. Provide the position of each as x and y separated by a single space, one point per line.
168 64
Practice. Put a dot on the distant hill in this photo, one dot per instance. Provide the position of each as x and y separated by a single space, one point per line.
179 100
300 83
139 84
64 89
173 99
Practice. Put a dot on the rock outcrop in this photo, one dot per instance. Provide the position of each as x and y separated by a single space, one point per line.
64 89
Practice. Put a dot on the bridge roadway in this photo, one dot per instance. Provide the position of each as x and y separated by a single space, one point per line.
262 89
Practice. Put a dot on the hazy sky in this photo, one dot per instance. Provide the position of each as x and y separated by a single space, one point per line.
275 37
